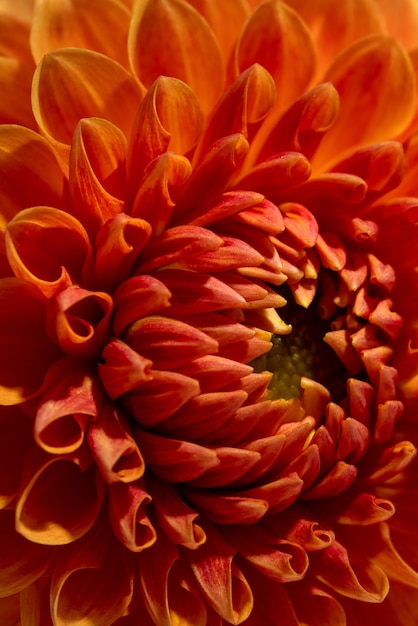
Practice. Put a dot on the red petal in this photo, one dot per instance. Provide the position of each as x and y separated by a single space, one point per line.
123 369
23 562
15 439
26 350
114 449
128 516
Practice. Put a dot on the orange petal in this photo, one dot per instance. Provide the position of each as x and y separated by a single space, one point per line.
76 24
15 439
23 562
29 172
47 247
401 20
169 119
184 31
15 32
66 409
15 86
226 20
178 521
246 103
162 179
351 19
334 569
115 451
60 497
377 113
72 83
25 347
276 38
81 320
223 585
227 509
118 244
84 587
128 515
97 172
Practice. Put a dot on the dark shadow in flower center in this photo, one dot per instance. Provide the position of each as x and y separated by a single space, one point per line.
302 353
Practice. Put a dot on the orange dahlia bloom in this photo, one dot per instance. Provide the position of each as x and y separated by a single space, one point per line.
208 312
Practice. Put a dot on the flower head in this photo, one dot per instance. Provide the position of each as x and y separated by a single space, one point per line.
208 312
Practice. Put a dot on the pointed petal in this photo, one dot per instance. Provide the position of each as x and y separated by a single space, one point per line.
15 85
382 64
97 172
184 30
276 38
74 23
71 83
169 119
26 350
29 172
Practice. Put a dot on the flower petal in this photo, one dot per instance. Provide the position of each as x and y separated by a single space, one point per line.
71 83
127 512
97 172
47 247
276 38
15 85
60 498
23 561
29 172
15 439
25 347
385 67
73 23
184 30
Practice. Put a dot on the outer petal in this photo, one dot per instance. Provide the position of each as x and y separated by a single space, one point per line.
29 172
23 562
15 32
15 439
15 86
26 351
276 38
70 492
72 83
96 25
377 113
401 20
47 247
85 588
184 31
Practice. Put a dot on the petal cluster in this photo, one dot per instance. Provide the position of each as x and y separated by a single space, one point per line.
208 312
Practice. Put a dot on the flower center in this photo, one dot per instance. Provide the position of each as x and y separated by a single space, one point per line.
302 353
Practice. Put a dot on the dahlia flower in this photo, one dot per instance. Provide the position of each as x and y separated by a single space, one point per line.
208 312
